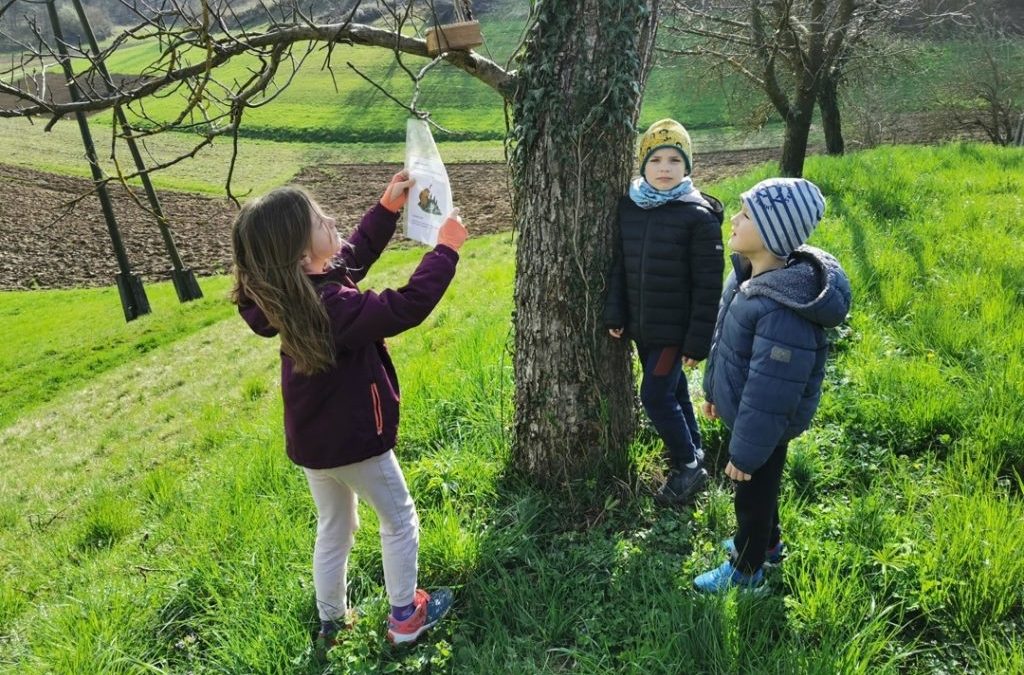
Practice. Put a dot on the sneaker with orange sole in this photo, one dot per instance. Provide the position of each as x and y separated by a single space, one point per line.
430 608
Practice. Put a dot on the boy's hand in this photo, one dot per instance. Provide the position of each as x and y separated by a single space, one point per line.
734 473
397 191
452 233
690 363
615 332
709 410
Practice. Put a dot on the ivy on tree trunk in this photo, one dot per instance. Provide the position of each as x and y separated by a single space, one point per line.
580 81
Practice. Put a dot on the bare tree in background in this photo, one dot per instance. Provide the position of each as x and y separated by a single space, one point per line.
986 90
799 53
573 98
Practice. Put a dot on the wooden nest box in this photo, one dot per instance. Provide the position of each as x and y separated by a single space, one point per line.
454 36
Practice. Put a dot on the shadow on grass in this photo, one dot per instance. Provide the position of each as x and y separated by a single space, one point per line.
603 589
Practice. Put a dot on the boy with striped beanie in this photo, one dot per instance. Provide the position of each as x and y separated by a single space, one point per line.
785 212
767 362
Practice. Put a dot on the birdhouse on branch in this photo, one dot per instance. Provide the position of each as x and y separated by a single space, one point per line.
462 33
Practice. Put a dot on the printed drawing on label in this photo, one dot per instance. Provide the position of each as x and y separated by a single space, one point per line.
428 202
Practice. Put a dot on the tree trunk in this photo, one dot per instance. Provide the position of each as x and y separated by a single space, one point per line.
575 110
828 104
794 146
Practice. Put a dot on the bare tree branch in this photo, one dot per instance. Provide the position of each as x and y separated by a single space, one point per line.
221 50
194 39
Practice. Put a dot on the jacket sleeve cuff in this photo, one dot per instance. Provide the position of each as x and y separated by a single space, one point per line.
382 211
447 252
746 457
744 466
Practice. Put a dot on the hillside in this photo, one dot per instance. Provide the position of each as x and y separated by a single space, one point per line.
334 115
150 521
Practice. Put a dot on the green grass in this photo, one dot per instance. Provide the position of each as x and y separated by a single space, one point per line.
86 337
330 104
150 521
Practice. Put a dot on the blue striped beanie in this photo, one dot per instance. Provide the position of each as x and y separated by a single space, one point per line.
786 211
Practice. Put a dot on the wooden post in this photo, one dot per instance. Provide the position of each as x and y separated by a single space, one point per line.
184 280
129 286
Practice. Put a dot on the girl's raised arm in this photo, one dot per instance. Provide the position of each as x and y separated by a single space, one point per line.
376 228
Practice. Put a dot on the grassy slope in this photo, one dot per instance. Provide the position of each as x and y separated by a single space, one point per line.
321 105
149 512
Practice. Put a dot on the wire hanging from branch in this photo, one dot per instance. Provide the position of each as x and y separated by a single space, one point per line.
416 81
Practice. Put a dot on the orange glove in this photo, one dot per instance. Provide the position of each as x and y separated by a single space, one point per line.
452 233
397 191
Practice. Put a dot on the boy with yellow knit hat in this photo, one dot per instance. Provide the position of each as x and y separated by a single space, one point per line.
663 293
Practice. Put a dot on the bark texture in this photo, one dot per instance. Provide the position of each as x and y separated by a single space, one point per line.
575 110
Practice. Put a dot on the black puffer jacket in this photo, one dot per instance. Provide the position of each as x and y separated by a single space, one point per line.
666 280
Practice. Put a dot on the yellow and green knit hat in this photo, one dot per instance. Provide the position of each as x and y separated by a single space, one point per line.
665 133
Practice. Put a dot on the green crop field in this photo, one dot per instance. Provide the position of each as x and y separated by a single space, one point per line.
334 116
150 521
336 105
262 165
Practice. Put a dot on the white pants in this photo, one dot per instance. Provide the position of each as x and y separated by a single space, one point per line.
380 482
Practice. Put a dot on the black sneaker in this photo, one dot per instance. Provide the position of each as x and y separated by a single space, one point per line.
681 486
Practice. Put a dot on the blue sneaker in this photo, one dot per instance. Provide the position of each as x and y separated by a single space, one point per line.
772 556
724 577
430 608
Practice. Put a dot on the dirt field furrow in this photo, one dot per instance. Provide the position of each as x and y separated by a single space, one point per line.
46 244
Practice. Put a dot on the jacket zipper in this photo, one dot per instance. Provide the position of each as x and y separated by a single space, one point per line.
378 416
643 278
718 334
724 311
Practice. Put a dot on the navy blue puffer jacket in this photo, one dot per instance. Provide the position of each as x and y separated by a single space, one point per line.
768 356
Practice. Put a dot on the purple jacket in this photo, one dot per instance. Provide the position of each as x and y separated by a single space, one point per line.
350 412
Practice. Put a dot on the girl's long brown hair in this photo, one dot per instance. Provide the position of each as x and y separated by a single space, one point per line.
269 238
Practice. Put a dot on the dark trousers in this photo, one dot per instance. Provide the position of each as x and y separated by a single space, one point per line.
665 396
757 512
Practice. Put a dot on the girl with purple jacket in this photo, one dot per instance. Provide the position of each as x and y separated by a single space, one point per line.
295 278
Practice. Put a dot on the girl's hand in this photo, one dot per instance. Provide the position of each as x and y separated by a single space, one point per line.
734 473
452 233
690 363
709 410
615 332
397 191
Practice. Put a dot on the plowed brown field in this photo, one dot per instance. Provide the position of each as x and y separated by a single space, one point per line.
43 244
